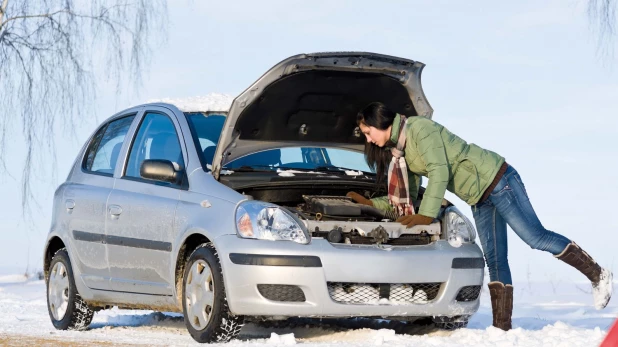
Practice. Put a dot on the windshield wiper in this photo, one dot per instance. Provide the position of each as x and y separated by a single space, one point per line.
268 168
251 168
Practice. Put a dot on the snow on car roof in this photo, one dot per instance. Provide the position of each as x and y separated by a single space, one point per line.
209 102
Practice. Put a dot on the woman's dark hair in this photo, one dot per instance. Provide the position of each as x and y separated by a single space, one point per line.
380 117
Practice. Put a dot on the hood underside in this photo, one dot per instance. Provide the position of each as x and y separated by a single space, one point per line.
313 100
318 106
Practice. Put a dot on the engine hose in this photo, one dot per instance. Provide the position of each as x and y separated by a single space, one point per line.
391 215
374 212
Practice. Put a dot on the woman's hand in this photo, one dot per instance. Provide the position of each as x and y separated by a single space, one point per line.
359 198
414 219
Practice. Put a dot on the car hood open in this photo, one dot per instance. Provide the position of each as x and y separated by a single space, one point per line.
313 100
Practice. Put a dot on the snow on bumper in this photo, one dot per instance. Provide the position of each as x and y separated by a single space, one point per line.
318 268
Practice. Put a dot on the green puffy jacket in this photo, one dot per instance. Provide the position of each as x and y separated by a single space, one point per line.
448 161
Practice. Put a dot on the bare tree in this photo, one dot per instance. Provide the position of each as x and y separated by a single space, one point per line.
49 54
602 15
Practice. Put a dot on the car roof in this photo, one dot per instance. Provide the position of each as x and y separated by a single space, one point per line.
213 102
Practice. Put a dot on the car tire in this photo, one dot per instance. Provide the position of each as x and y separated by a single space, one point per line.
204 303
65 306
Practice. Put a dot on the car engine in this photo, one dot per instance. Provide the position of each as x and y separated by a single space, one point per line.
340 220
340 207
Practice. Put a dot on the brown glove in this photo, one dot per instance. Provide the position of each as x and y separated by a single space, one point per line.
414 219
359 198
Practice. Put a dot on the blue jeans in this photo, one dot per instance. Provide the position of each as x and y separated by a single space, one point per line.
509 204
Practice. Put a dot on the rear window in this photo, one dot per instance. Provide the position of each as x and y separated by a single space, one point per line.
105 146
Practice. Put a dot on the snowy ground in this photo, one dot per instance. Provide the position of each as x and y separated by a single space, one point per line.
546 314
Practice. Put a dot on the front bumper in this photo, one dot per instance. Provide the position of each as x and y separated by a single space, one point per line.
249 263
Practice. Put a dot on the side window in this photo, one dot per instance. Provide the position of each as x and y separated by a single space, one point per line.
155 139
105 147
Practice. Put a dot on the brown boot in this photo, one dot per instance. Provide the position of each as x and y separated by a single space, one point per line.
501 304
601 278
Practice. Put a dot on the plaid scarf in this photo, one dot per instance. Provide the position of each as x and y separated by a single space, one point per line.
398 194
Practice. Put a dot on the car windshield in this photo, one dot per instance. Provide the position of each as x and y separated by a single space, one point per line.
206 129
302 158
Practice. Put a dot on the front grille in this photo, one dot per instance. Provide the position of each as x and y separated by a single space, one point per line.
469 293
419 293
281 292
403 240
394 294
354 293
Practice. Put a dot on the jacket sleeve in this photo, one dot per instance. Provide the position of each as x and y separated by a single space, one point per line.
414 182
431 149
381 203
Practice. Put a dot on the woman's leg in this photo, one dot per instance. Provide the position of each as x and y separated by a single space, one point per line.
511 201
491 228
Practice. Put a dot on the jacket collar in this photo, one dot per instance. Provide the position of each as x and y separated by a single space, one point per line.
395 129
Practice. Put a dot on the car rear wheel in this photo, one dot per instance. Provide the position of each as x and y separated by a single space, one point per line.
204 304
66 308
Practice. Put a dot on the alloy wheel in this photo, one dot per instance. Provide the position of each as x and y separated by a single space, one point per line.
199 294
58 291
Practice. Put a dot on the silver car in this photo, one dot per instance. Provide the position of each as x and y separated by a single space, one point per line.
241 215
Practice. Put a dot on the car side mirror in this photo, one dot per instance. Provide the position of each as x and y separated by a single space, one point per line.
161 170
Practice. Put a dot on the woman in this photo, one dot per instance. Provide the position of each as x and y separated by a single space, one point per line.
417 146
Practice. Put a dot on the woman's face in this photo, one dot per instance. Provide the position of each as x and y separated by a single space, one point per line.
375 135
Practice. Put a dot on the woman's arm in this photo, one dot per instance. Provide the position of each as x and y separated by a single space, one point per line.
430 145
414 182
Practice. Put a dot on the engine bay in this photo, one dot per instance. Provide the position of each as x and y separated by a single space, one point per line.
340 220
328 213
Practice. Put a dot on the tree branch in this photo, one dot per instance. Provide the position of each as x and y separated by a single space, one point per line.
49 15
43 15
51 53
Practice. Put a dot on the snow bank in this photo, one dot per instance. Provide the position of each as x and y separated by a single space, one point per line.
287 339
13 279
210 102
542 317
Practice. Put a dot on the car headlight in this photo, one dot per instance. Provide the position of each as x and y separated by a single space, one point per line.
264 221
459 229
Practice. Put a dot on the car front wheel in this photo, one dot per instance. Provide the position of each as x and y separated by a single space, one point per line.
66 308
204 304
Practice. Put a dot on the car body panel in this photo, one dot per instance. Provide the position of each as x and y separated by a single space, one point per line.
139 257
347 263
87 221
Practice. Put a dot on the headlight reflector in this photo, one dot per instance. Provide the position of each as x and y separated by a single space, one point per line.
459 229
264 221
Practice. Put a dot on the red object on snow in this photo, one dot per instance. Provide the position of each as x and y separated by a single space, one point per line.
611 340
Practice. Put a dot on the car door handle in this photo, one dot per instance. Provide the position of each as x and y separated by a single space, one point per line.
115 210
70 205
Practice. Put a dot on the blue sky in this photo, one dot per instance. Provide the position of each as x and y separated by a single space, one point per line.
519 78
